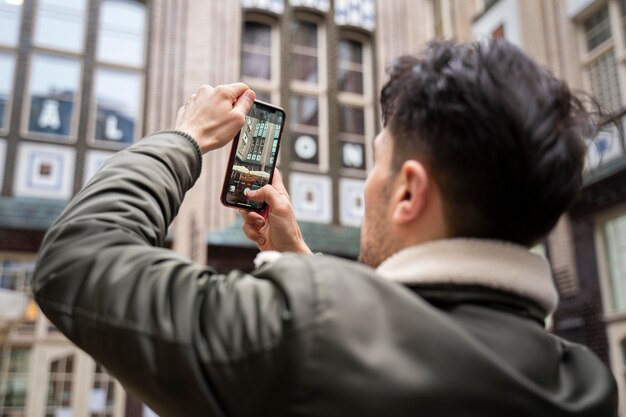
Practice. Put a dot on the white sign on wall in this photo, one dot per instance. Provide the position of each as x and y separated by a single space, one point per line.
352 203
311 197
44 171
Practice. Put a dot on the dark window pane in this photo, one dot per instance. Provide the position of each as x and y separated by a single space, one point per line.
304 34
350 51
257 34
53 85
304 68
350 81
9 23
597 28
60 24
304 110
352 120
7 65
118 98
121 34
256 65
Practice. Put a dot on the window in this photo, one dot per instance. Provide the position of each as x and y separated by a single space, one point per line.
121 32
601 65
7 68
59 398
14 364
60 24
354 102
305 128
259 58
15 274
102 395
597 28
615 240
117 105
54 82
308 95
119 74
10 13
304 52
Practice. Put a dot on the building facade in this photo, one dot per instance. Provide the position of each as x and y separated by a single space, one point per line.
81 80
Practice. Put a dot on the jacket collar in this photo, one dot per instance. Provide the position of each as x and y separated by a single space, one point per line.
474 262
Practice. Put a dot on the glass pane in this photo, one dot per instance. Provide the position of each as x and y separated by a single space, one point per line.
53 86
256 65
118 98
350 81
615 234
352 120
9 22
15 395
605 82
257 34
7 66
121 35
350 51
304 110
304 67
597 28
60 24
304 33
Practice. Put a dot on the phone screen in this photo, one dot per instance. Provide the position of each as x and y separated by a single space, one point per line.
254 155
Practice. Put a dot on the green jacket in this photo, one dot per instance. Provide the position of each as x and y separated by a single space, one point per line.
302 336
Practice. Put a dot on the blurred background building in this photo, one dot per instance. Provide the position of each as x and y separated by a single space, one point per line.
80 80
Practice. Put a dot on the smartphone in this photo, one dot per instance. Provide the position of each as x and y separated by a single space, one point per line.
253 155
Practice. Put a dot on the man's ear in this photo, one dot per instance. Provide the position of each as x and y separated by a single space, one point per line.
412 192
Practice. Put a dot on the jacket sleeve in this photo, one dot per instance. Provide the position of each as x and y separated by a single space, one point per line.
184 339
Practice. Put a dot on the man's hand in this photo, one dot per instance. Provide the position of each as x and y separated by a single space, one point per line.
278 230
213 116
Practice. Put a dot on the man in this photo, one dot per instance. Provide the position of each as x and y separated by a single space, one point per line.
481 152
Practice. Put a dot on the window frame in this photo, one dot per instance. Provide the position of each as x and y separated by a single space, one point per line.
364 101
91 139
602 255
73 136
5 351
319 90
614 44
273 85
6 123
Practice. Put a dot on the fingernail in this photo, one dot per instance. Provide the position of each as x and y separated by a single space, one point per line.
260 222
250 95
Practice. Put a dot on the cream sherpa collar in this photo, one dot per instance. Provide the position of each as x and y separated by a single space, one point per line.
493 264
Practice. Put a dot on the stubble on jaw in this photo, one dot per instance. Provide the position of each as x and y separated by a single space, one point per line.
376 240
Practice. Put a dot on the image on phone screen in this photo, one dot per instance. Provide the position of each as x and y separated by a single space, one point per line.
254 158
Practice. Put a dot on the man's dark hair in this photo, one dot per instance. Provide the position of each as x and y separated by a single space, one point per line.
503 138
